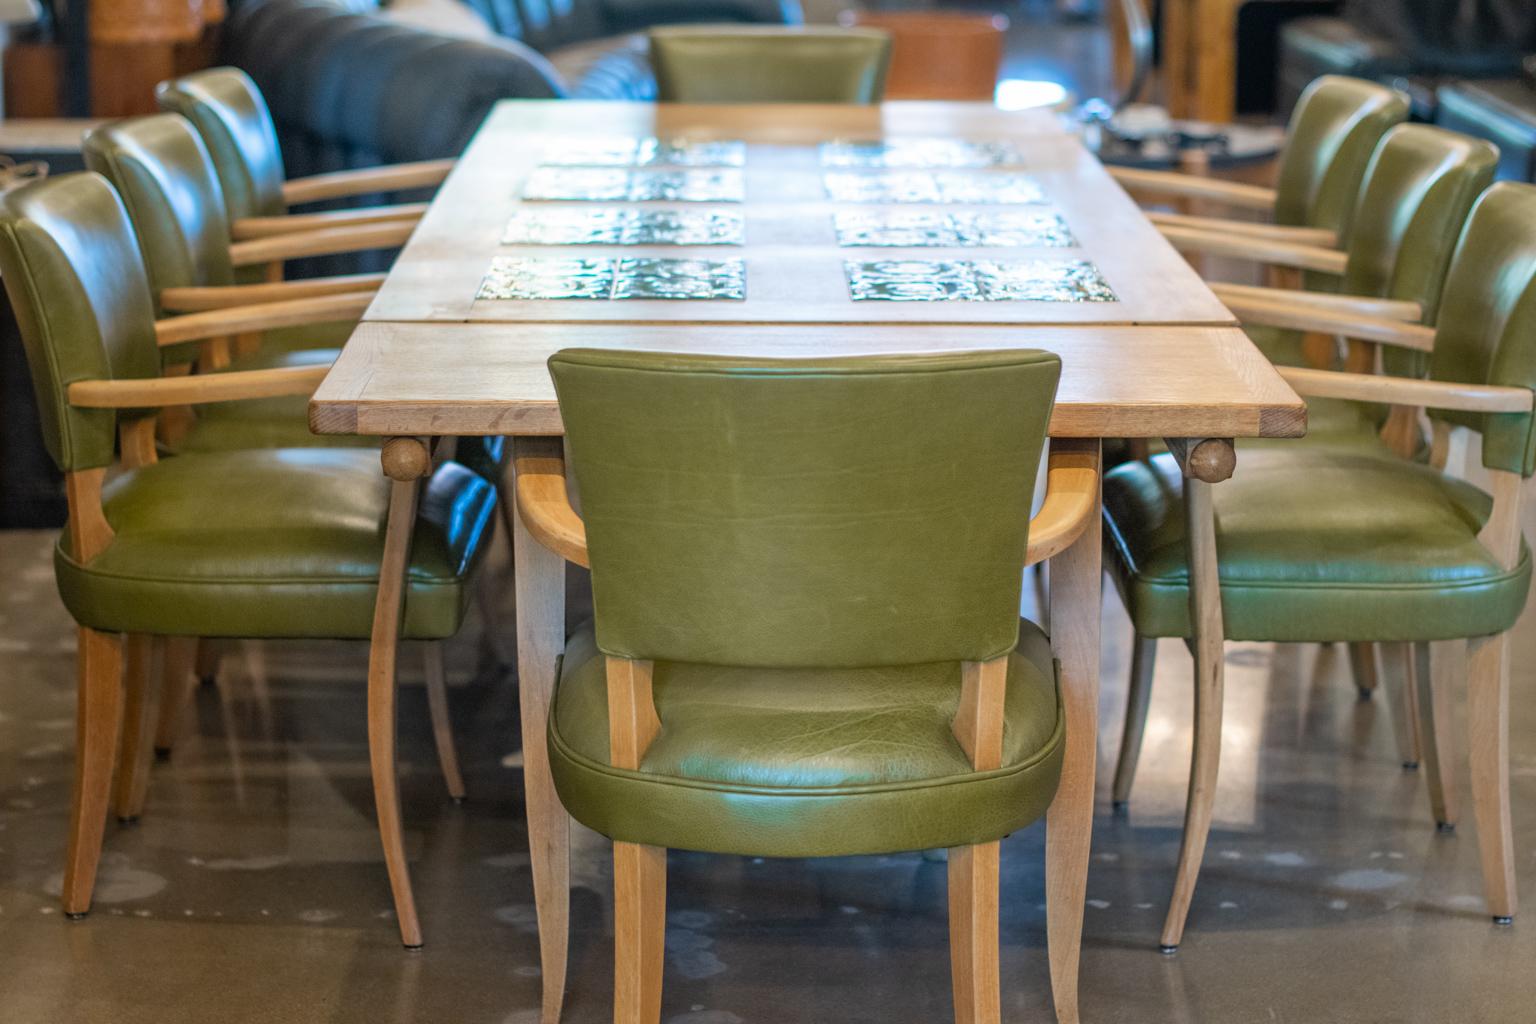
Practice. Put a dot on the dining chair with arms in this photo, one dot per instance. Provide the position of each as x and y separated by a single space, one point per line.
1357 543
807 639
1332 133
277 543
769 64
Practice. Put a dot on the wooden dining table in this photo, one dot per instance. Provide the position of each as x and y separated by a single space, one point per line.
450 348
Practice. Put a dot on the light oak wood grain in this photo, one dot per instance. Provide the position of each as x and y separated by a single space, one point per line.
1260 250
264 227
1310 316
973 937
393 379
1188 186
191 300
1434 394
268 316
639 931
1363 305
1260 229
97 719
338 184
148 392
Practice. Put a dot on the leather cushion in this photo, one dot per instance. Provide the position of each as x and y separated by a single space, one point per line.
273 544
1316 543
806 762
612 68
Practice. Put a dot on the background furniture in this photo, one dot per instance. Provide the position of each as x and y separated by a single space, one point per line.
1501 110
939 55
759 64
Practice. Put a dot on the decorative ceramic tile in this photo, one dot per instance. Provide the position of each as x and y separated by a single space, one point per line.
690 186
581 184
911 281
932 187
679 279
921 153
517 277
622 226
622 151
512 277
978 280
893 228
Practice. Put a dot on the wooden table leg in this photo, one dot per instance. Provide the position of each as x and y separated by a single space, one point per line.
1075 612
1204 461
539 580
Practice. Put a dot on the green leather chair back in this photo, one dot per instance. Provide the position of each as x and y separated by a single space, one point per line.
760 512
769 64
1486 332
1419 187
72 270
1333 131
227 110
166 179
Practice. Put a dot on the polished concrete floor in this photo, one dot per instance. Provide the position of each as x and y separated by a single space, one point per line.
253 889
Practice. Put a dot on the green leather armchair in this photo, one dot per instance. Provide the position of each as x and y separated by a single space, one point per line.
769 64
807 639
276 543
1358 544
228 111
1333 131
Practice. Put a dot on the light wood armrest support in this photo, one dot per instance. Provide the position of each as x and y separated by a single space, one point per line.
389 234
1071 498
361 182
1359 305
542 498
1309 317
1321 237
1430 394
1187 186
191 300
1262 250
217 323
287 224
193 389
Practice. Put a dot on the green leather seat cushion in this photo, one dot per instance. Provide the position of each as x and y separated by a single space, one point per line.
1316 543
806 762
273 544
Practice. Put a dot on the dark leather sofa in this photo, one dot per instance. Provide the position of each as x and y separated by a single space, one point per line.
348 87
1501 110
1419 44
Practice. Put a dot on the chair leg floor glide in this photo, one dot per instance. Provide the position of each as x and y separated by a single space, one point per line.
98 721
639 931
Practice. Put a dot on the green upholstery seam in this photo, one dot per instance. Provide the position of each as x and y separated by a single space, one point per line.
226 581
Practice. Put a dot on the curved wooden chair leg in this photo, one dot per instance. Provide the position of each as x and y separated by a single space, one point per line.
442 721
97 720
1206 645
132 785
1398 674
973 939
382 653
177 663
1443 664
1138 699
1488 721
639 931
1362 667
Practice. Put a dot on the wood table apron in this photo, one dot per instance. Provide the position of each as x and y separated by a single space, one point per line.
430 360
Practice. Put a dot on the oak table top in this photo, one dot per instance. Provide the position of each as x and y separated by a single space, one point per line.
1163 357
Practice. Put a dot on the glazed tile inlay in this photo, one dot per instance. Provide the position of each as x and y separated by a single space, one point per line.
623 226
518 277
617 184
623 151
976 281
894 228
921 153
932 187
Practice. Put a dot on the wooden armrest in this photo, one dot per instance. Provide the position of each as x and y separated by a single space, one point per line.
287 224
542 498
149 392
1071 498
1262 250
1359 305
1171 183
217 323
361 182
1306 317
1430 394
191 300
389 234
1320 237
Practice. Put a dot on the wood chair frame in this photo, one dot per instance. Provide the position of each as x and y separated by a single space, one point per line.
1071 502
115 675
344 185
